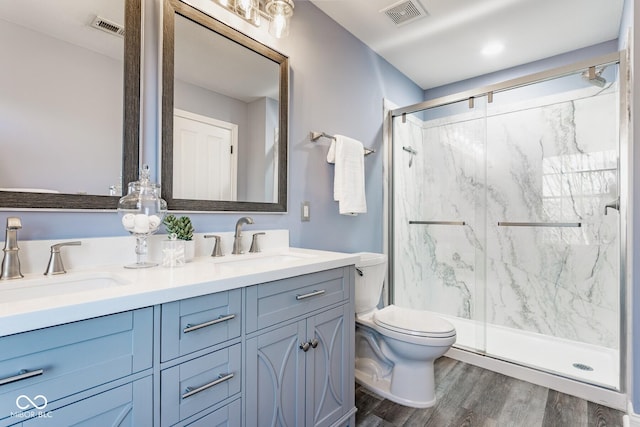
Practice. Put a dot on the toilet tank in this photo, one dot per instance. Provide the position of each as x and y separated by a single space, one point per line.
368 286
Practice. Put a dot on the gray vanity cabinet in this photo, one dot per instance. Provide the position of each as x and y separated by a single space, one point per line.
91 372
275 353
299 365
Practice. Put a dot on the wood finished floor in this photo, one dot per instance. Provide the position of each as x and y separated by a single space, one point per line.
475 397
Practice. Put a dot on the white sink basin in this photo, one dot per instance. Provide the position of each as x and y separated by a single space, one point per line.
260 260
51 286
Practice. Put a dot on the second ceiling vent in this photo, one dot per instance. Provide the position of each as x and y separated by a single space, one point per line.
404 12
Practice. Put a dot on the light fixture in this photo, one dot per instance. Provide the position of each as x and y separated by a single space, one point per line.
280 12
277 12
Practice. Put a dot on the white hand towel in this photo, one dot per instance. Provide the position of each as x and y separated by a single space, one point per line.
348 180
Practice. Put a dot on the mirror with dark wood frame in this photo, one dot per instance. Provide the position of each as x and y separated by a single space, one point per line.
70 104
224 116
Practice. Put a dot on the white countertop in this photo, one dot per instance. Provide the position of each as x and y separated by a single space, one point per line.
38 301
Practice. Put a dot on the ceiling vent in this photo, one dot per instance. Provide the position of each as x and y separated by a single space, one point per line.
403 12
108 26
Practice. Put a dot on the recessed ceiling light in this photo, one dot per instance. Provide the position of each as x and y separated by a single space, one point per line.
492 48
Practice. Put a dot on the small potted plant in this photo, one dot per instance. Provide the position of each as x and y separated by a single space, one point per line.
183 229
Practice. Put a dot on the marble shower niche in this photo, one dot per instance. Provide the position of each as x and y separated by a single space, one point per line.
529 179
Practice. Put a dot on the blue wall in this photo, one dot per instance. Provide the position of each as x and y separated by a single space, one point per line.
337 86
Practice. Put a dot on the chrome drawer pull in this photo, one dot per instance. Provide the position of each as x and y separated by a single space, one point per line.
191 391
190 327
310 294
22 375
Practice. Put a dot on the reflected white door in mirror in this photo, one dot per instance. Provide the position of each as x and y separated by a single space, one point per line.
205 157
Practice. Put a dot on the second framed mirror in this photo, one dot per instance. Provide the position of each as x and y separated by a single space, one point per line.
224 116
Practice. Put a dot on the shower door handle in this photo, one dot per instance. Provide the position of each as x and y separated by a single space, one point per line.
539 224
438 222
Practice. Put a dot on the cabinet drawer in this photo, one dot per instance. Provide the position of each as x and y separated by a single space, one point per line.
128 405
196 323
227 416
198 384
62 360
274 302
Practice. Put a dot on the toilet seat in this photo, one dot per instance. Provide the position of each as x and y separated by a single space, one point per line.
413 322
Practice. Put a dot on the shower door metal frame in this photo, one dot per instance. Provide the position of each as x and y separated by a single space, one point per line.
624 167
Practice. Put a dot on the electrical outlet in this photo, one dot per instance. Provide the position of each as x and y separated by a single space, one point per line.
306 211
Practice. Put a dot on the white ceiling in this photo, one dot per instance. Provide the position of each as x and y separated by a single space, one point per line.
69 20
445 46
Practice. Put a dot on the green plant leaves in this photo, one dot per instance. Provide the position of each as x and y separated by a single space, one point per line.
180 225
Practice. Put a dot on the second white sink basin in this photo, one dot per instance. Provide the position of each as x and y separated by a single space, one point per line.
276 260
45 287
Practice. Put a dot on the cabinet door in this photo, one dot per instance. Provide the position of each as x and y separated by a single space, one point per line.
275 377
127 405
328 373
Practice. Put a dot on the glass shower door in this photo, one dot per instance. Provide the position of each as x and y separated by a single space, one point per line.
439 216
553 261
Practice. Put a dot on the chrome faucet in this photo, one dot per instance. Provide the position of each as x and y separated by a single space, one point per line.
237 238
11 261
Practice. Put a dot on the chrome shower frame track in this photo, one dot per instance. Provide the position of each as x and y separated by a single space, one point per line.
611 58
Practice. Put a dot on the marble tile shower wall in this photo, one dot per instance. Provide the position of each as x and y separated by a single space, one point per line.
548 160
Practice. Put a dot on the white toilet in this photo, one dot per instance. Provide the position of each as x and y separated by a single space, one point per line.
395 347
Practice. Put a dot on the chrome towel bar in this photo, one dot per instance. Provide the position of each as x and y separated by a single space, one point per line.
314 136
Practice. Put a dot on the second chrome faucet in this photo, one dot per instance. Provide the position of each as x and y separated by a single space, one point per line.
237 238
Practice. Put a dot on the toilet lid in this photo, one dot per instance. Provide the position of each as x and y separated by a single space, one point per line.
413 322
